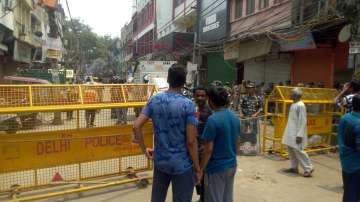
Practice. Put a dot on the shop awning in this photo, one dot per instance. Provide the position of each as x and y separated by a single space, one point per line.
254 48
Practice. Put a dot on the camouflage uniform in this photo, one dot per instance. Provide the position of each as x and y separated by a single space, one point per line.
249 106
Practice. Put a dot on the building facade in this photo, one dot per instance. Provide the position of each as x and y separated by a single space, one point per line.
274 41
27 33
143 28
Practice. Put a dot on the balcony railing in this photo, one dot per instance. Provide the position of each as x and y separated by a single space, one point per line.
184 9
36 41
306 11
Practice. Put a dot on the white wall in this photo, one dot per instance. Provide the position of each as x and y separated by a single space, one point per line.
164 10
8 19
271 69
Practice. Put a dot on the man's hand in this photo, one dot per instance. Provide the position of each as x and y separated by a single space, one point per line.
149 153
254 115
299 140
346 87
199 175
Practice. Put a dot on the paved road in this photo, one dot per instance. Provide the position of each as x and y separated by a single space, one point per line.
258 179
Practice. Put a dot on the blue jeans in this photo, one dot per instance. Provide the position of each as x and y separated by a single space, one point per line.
182 186
351 187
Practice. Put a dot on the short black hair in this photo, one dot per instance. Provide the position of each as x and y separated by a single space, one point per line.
199 88
177 76
218 96
356 103
355 84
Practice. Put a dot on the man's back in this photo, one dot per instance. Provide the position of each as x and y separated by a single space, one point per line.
171 113
222 128
349 142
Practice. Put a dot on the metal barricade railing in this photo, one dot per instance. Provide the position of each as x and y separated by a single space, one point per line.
51 134
321 110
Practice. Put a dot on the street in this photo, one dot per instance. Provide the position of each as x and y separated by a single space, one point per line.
258 179
91 92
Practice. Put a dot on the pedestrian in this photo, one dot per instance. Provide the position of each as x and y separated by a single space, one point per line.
203 112
220 138
175 151
288 83
91 97
250 109
349 145
121 112
295 136
72 97
236 97
344 98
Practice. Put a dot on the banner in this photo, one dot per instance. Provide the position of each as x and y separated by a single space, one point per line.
249 130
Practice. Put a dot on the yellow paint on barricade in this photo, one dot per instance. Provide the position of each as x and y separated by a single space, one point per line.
46 149
70 133
321 110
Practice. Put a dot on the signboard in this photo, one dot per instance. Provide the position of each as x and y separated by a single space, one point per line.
298 43
54 44
42 150
155 66
249 132
231 50
69 73
315 125
319 124
213 20
354 47
54 54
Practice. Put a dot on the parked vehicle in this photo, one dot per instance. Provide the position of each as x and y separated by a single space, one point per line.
26 121
10 123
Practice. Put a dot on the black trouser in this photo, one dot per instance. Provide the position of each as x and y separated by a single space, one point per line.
90 117
200 189
351 187
69 115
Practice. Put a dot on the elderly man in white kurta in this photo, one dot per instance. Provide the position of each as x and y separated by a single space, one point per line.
295 136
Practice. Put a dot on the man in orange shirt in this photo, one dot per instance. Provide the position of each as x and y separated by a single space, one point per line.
91 97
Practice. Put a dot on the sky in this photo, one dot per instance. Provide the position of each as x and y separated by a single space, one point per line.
105 17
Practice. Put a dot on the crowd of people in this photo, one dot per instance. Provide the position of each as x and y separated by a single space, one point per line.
195 143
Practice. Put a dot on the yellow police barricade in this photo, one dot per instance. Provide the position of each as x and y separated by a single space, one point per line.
320 111
69 134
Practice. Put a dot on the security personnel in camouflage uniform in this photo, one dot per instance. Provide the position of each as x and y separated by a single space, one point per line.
250 108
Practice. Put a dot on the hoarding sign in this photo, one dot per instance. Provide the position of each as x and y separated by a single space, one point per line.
354 47
299 43
213 20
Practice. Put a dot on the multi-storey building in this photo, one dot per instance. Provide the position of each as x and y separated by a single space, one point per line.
175 27
25 33
143 28
280 40
125 49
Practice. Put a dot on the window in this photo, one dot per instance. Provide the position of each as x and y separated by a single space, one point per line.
178 2
250 7
263 4
238 8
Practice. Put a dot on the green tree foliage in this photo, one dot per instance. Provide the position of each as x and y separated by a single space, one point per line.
83 46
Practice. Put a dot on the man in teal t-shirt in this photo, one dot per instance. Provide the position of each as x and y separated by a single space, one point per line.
220 138
349 145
